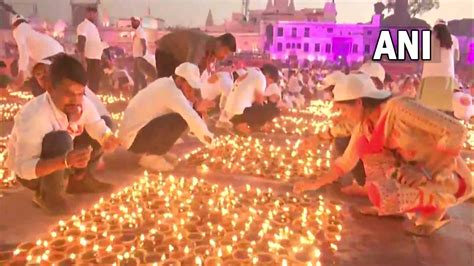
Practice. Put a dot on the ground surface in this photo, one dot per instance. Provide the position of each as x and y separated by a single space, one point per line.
365 240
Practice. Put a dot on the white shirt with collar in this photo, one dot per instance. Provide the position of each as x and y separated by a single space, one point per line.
37 118
34 45
94 46
137 48
244 91
159 98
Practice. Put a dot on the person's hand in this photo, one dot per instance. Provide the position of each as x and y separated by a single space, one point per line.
204 106
208 139
79 158
303 186
110 143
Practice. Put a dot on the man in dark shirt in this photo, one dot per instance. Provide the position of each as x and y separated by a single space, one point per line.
192 46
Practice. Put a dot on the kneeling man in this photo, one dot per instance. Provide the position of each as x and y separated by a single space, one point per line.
42 150
160 113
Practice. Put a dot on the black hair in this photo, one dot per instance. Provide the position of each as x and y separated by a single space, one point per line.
67 67
18 22
228 40
271 70
443 35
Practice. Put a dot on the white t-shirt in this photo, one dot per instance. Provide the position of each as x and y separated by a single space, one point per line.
243 92
159 98
222 86
273 89
34 45
94 46
137 49
442 59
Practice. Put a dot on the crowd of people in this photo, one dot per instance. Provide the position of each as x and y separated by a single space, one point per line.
399 137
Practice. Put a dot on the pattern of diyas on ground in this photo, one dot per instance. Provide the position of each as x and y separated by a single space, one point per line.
188 221
263 158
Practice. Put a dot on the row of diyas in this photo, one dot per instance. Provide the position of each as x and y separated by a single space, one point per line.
186 221
317 108
301 126
469 145
111 99
7 178
11 103
261 158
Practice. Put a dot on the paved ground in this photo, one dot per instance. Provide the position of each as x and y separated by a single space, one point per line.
365 240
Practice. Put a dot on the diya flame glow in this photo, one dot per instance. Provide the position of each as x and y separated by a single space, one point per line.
260 157
153 220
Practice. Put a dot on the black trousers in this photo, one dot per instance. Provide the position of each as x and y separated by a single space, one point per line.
257 115
139 79
58 143
159 135
166 63
358 172
94 74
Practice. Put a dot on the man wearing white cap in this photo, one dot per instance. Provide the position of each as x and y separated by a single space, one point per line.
438 79
376 73
246 94
411 155
159 114
33 47
138 51
90 48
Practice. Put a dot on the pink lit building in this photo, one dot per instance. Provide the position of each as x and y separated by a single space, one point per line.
308 40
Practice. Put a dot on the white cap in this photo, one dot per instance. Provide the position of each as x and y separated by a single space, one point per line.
42 62
374 70
331 79
440 22
355 86
190 72
462 106
136 18
16 18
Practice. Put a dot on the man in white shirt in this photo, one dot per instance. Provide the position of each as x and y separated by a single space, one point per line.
217 85
159 114
138 51
42 151
90 48
33 47
245 107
